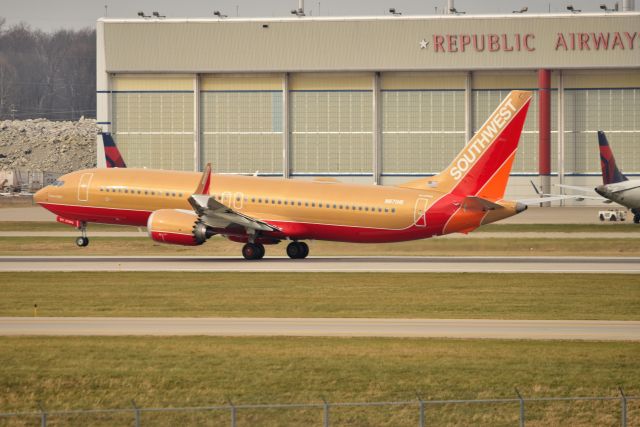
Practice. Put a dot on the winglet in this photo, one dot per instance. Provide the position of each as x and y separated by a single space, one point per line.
112 155
205 181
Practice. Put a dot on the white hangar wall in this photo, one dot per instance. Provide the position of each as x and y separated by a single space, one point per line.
368 116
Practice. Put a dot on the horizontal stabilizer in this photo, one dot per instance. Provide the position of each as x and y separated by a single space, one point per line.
473 203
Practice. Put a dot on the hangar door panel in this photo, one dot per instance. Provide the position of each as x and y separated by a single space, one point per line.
241 122
153 121
331 124
616 111
422 121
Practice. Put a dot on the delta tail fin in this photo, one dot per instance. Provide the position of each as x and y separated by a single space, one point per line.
610 172
112 155
483 166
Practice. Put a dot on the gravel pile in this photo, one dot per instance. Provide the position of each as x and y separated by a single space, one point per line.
44 145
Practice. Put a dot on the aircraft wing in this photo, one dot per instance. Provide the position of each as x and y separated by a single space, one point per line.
573 187
538 200
218 215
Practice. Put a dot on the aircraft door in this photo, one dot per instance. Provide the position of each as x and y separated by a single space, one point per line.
419 217
227 199
83 187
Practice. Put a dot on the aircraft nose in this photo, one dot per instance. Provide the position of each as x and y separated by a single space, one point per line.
41 195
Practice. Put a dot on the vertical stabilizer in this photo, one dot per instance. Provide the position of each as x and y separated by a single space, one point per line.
482 167
111 153
610 172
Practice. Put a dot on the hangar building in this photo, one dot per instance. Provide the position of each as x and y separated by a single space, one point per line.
371 99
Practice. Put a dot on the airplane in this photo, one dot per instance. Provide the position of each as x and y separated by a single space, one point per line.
615 186
187 208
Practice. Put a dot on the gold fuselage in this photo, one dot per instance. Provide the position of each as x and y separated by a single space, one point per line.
117 192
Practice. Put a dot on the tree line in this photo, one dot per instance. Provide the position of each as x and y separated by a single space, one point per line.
47 75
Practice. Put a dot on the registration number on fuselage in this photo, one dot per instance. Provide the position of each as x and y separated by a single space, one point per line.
393 202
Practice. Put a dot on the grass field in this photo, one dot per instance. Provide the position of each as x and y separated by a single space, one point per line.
384 295
607 227
509 246
72 372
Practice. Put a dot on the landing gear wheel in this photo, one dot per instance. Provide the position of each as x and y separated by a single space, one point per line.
636 218
82 241
261 250
252 251
305 249
297 250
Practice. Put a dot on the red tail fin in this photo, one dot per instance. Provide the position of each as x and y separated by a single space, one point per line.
482 167
111 153
610 172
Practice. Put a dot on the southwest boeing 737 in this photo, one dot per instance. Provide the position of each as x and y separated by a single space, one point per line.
187 208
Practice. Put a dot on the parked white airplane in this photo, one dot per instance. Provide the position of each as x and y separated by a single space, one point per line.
615 186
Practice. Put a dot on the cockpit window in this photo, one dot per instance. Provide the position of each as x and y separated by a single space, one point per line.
57 183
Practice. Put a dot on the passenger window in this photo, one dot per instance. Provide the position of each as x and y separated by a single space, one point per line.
180 194
259 200
306 204
299 203
393 210
319 205
285 202
253 200
386 210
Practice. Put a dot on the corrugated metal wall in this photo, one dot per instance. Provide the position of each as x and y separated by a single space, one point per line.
423 121
153 120
332 123
602 101
242 123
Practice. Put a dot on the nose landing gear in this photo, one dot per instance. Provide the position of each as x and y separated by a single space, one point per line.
297 250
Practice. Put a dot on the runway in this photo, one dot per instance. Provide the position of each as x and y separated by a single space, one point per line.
630 265
324 327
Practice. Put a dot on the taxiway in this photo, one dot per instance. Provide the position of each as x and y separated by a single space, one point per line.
325 327
629 265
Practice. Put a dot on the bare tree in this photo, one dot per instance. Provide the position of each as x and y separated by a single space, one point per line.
49 75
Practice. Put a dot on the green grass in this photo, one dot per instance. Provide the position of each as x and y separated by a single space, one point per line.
80 372
217 246
607 227
384 295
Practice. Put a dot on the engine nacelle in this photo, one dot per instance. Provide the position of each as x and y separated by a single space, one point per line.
177 227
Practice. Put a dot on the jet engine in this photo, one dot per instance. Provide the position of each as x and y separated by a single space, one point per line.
177 227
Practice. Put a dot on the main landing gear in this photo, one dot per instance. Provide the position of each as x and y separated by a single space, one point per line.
253 251
297 250
83 240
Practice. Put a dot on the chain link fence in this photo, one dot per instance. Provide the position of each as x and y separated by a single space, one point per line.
323 412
